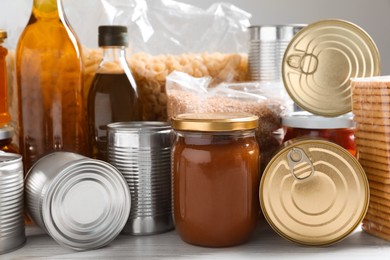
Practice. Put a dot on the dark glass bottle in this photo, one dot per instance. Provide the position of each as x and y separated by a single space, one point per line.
113 96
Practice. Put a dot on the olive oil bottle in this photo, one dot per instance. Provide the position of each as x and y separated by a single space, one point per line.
113 95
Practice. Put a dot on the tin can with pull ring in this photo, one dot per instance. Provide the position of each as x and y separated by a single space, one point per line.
314 192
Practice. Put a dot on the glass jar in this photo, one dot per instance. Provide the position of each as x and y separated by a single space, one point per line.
339 130
4 114
215 178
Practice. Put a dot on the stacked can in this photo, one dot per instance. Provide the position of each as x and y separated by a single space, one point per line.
12 235
266 49
141 151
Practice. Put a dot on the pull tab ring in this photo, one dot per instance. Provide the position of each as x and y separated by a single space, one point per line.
297 156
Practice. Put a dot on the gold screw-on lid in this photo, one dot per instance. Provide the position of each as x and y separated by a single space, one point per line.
319 62
3 35
215 122
314 192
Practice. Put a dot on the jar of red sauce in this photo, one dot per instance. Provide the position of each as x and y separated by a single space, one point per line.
339 130
215 178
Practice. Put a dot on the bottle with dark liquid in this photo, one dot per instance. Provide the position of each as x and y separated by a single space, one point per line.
113 96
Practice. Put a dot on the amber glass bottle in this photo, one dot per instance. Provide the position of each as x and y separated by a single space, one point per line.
113 96
49 76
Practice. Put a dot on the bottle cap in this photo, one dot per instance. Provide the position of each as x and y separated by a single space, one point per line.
113 35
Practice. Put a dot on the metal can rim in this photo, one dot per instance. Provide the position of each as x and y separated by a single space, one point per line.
294 143
367 39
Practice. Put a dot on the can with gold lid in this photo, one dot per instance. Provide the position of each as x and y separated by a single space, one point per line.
215 178
314 192
319 62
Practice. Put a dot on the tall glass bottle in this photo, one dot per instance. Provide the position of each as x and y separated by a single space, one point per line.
113 96
50 86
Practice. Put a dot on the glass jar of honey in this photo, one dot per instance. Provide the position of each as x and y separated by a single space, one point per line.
339 130
215 178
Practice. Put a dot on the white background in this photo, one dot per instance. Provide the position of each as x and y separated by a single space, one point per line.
372 16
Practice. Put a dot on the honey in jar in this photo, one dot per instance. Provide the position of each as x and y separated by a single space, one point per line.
215 169
339 130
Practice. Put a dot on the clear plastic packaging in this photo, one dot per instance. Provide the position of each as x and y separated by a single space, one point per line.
371 109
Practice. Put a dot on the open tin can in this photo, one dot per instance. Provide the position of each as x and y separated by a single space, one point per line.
314 192
82 203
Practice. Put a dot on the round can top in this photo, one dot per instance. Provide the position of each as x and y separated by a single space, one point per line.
319 62
306 120
314 192
138 126
274 32
215 122
87 204
6 132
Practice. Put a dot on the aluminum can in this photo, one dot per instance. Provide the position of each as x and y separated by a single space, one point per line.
320 61
12 231
82 203
266 49
141 152
314 192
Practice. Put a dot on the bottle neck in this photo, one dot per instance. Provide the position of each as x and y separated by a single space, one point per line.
114 60
47 9
113 53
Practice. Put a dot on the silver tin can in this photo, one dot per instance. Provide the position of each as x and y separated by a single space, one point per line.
81 202
142 152
266 49
12 232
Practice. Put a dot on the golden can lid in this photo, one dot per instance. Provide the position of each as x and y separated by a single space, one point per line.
3 35
319 62
215 122
314 192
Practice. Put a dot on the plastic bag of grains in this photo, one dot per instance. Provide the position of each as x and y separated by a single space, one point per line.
187 94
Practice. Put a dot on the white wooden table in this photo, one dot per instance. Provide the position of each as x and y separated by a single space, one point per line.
265 244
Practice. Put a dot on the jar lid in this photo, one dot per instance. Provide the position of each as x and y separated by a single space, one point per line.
319 62
306 120
3 35
6 132
215 122
113 35
314 192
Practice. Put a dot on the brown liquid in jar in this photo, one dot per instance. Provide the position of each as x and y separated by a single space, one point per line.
215 184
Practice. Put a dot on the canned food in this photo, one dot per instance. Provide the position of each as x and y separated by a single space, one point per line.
321 59
215 168
12 235
142 152
81 202
266 48
339 130
314 192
